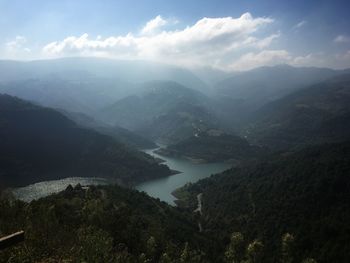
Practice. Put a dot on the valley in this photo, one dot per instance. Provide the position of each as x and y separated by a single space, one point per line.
148 163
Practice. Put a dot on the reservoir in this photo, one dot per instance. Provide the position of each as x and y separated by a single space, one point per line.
159 188
42 189
190 172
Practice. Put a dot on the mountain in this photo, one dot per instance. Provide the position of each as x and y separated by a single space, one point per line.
40 144
180 123
132 71
316 114
118 133
303 197
212 76
213 146
265 84
164 111
247 91
78 92
85 84
103 224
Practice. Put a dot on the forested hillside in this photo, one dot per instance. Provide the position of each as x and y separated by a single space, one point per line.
103 224
164 111
316 114
120 134
304 194
39 144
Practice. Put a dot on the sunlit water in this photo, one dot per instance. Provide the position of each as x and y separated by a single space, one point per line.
190 172
42 189
158 188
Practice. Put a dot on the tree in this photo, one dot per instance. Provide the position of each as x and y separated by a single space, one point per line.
95 245
189 256
165 258
143 258
309 260
235 250
287 248
151 248
254 251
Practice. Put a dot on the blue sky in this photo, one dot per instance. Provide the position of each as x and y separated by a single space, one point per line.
239 34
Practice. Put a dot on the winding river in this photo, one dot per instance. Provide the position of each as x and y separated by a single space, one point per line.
163 187
158 188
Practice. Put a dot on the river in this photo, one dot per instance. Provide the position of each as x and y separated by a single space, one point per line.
163 187
159 188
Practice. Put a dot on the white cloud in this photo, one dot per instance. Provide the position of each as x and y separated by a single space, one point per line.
210 41
123 46
153 25
342 39
16 48
266 42
300 24
17 44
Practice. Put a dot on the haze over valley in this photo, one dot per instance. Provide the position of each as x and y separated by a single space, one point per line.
218 132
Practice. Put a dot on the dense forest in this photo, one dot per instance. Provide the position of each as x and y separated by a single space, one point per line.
312 115
102 224
304 194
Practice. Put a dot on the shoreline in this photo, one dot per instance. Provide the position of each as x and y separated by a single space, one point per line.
193 159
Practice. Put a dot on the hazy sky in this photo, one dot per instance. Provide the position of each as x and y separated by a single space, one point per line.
230 35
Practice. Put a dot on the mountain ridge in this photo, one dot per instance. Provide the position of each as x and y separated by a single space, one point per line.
39 144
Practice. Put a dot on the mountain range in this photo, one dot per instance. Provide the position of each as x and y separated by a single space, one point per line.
315 114
285 129
39 144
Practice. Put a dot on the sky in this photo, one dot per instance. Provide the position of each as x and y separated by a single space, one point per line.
231 35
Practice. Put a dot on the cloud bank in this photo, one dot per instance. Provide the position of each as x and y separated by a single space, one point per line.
226 43
208 42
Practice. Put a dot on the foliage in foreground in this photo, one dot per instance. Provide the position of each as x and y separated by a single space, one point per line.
101 224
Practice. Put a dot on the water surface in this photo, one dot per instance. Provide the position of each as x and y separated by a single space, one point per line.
159 188
163 187
42 189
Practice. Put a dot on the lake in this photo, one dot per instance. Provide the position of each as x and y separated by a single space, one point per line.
42 189
190 172
159 188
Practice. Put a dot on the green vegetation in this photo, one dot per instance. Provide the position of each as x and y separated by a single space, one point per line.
313 115
102 224
304 193
114 224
